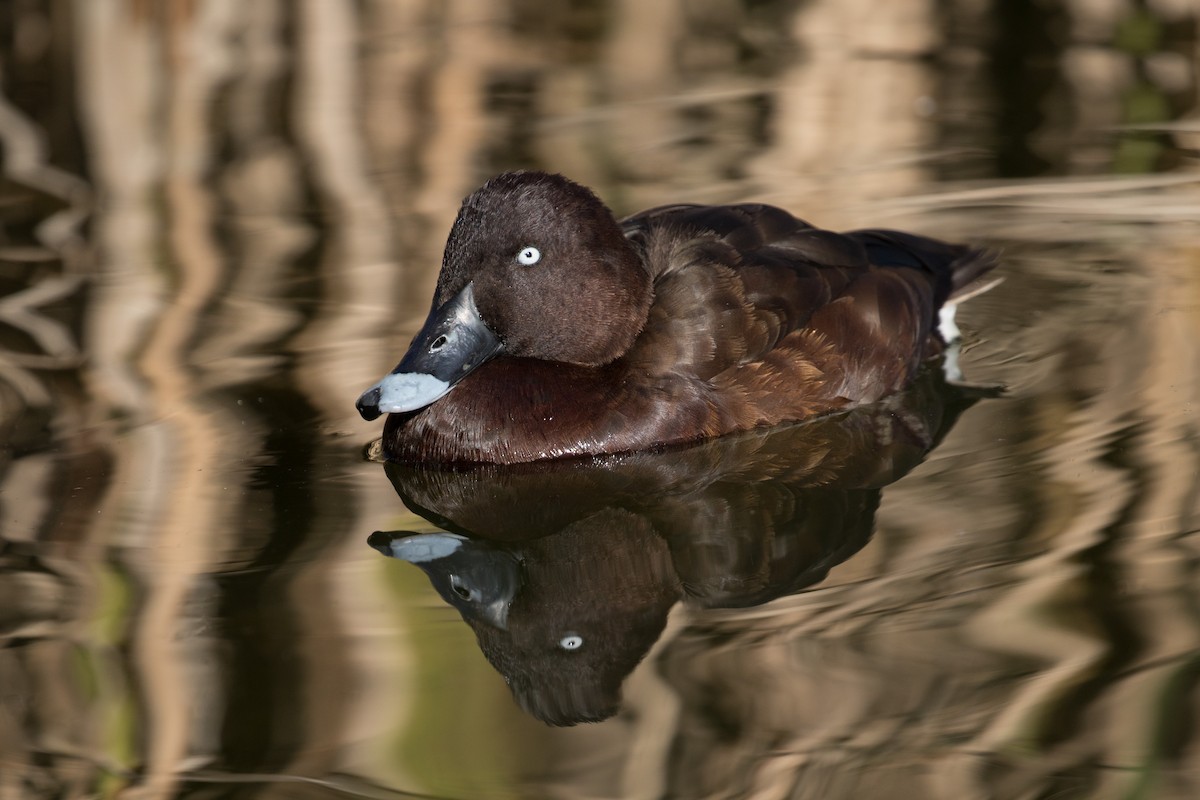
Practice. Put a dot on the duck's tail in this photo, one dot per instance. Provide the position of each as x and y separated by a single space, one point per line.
968 278
967 274
954 269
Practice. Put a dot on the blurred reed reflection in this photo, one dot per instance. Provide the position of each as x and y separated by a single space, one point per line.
566 570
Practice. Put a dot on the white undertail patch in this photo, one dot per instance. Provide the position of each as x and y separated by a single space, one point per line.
946 325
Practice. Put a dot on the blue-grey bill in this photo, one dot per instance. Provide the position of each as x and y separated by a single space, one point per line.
452 343
407 391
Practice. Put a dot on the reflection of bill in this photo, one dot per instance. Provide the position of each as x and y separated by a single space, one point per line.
566 570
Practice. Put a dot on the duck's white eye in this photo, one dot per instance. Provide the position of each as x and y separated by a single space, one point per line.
529 256
572 641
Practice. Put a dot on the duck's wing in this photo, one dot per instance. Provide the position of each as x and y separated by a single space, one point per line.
730 282
758 297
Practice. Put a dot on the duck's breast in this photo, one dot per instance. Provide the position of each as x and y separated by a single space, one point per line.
515 410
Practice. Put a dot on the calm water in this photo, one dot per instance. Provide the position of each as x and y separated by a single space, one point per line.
222 220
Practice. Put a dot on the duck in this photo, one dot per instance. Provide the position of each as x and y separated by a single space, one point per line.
558 331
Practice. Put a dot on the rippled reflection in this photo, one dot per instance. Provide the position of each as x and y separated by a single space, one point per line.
566 571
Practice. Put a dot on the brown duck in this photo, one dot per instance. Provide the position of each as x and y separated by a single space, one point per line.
557 330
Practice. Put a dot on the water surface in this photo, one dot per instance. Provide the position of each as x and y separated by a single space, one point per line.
222 221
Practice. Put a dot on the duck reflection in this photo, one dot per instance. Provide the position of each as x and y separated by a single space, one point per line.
566 570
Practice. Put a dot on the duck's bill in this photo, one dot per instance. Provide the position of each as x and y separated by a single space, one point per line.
454 341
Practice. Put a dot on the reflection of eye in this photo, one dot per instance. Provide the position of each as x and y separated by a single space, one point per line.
572 641
529 256
460 588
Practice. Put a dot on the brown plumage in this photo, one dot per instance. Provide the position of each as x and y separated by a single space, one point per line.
676 324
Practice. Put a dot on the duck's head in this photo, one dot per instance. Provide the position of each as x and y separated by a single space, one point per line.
535 266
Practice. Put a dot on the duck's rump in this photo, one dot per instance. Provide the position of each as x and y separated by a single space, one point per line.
758 318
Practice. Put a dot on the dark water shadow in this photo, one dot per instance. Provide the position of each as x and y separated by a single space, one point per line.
566 571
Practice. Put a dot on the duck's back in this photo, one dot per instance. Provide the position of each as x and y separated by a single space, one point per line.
784 320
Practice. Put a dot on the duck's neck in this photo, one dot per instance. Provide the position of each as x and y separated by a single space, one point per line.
633 296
